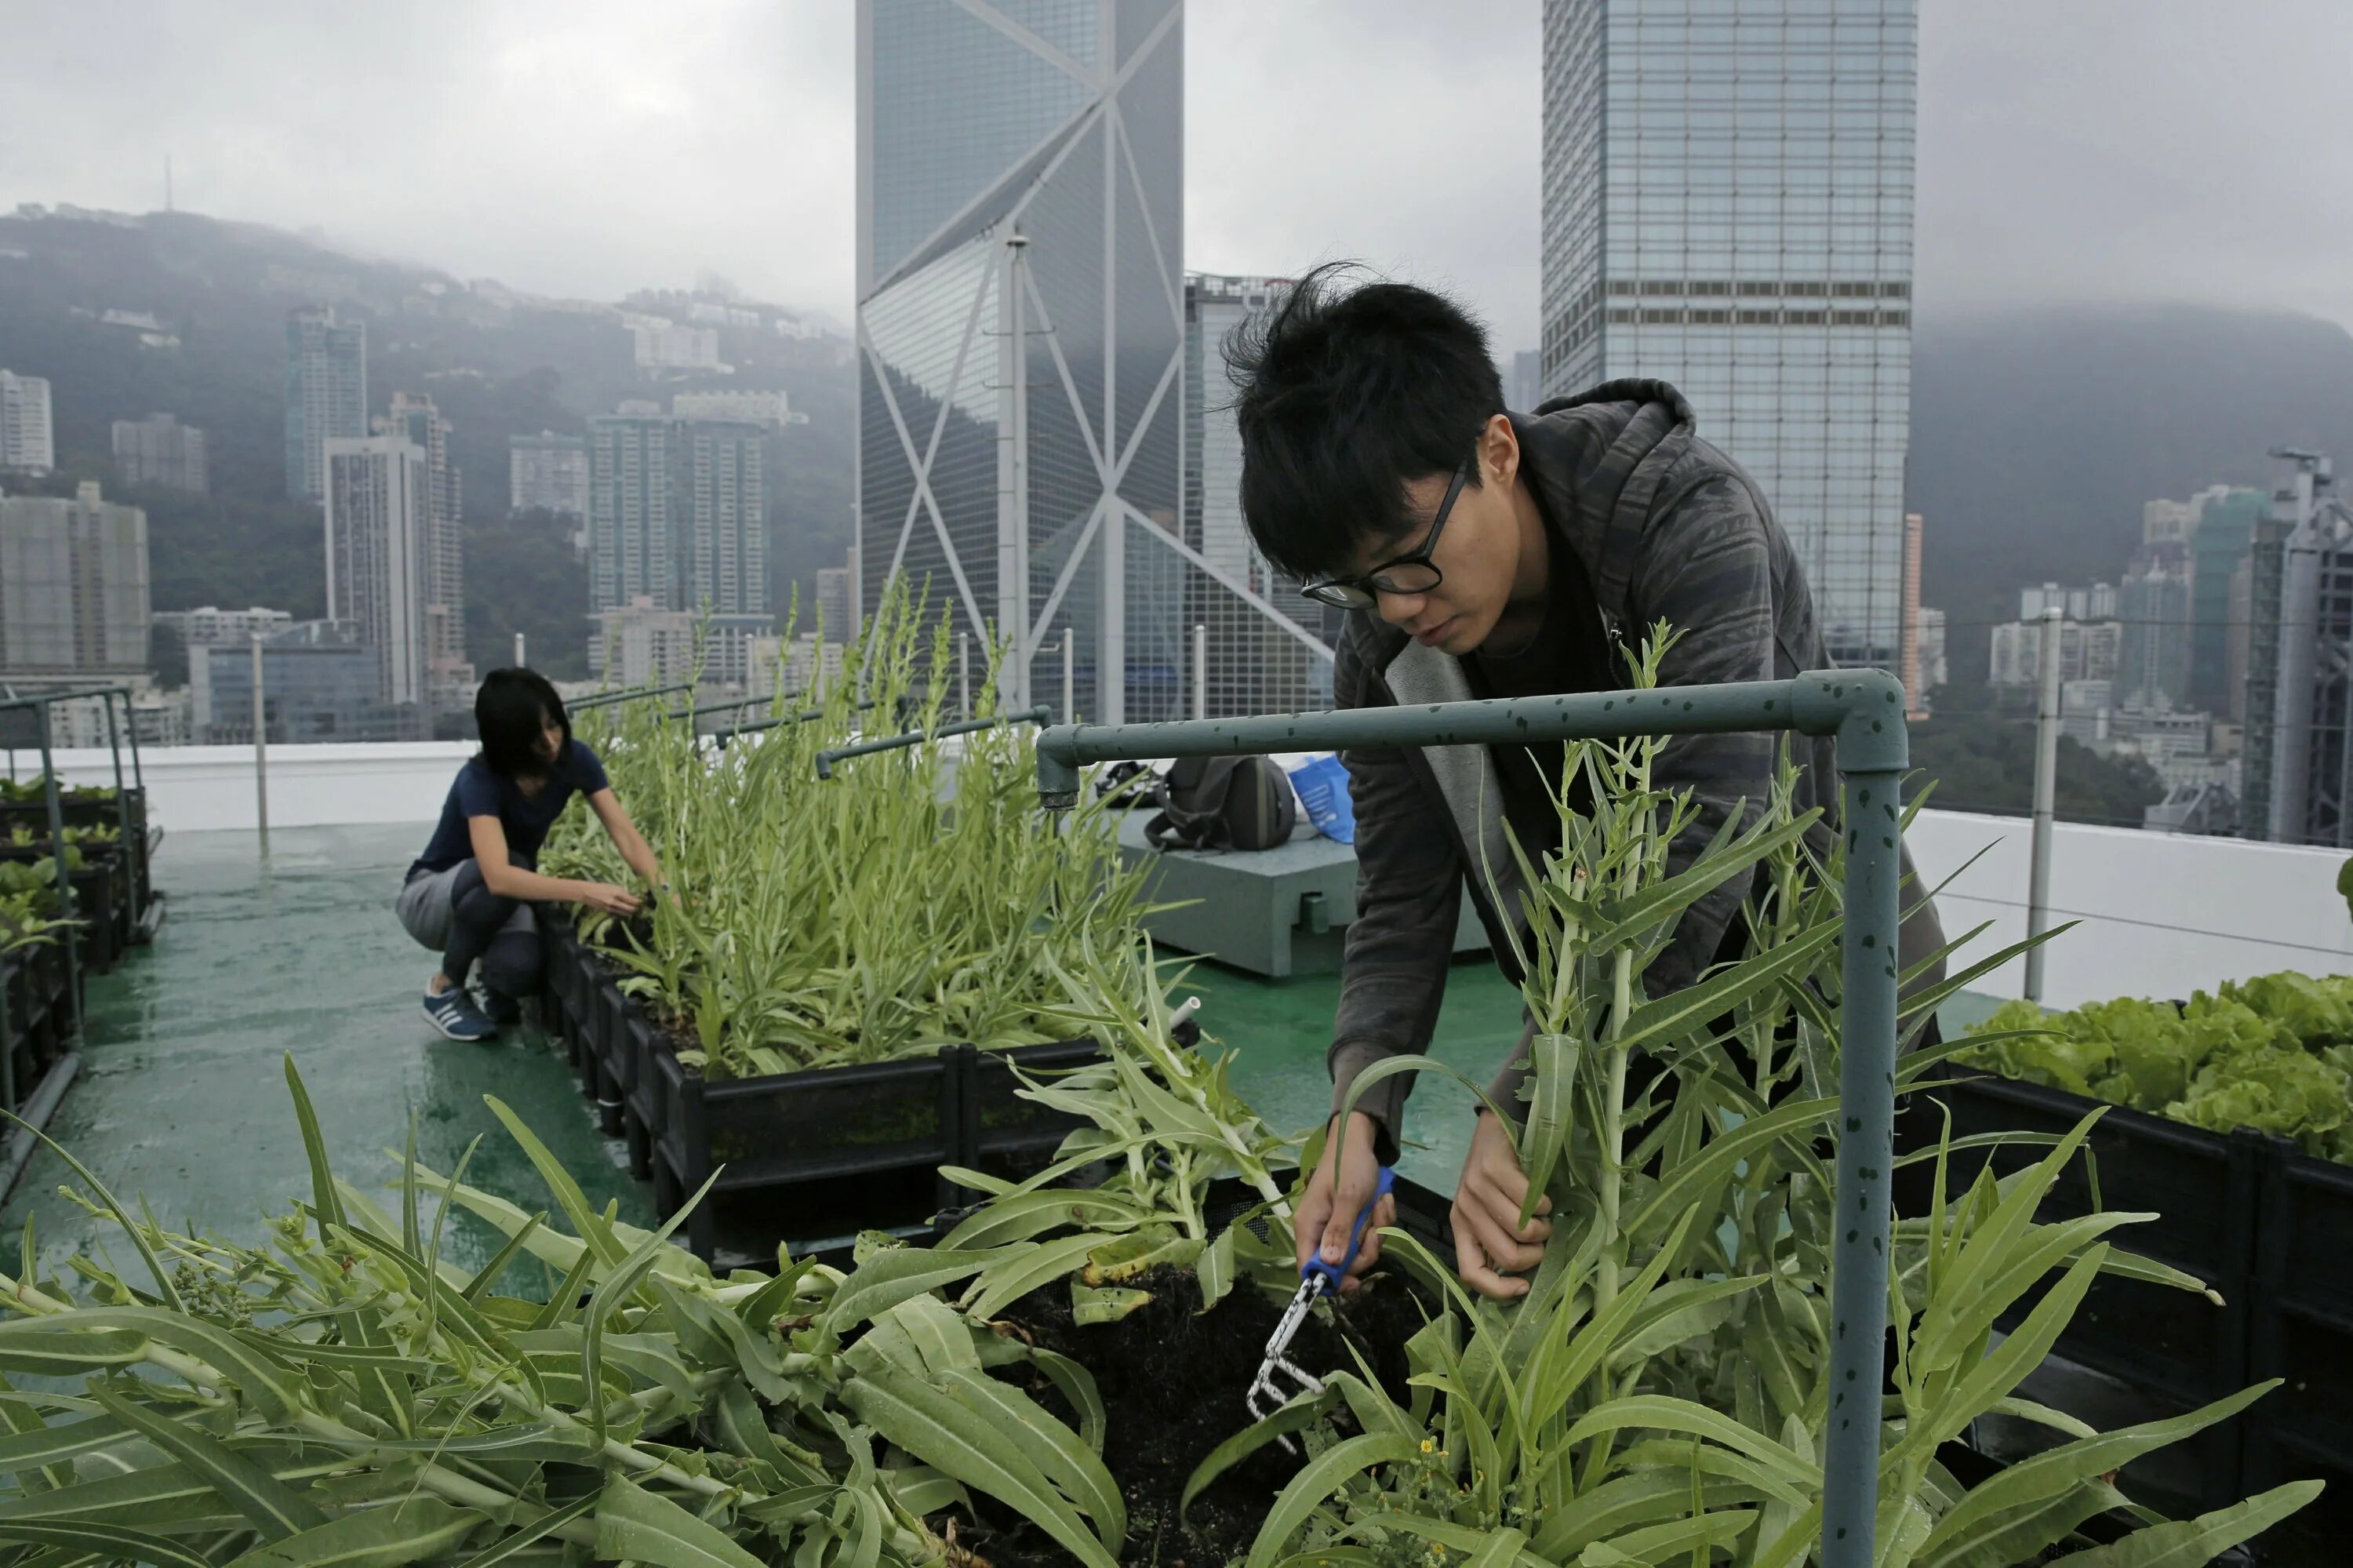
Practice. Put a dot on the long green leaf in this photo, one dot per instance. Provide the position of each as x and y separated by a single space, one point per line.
51 1347
634 1524
507 1548
389 1537
1664 1412
1296 1416
1553 1061
1039 1263
2186 1544
93 1538
1322 1475
884 1281
913 1416
277 1509
1672 1016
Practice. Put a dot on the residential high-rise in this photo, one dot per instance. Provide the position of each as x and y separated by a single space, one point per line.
28 441
773 409
2220 538
677 519
379 520
1256 662
73 587
449 676
834 606
547 472
212 627
1021 326
326 394
1523 388
159 449
1727 206
2154 607
2299 769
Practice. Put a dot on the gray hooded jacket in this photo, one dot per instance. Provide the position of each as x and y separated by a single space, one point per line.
1666 528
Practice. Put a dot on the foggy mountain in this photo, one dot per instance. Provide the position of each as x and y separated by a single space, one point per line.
2037 433
496 362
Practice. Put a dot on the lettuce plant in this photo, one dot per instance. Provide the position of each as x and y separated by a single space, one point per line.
2274 1053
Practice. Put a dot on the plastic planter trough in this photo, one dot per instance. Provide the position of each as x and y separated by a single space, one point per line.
812 1156
37 1021
2300 1329
2174 1350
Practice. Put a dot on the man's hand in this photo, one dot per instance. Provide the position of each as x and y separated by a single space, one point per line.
1489 1244
1328 1210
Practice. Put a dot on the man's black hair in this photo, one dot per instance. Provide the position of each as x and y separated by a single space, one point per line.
510 712
1347 391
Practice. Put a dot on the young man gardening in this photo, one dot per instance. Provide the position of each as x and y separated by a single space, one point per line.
1487 553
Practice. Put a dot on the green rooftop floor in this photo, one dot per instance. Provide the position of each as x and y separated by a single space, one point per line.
182 1098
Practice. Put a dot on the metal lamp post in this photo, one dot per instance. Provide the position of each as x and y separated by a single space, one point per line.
1863 710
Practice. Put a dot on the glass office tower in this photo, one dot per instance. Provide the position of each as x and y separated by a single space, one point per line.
1727 206
1021 332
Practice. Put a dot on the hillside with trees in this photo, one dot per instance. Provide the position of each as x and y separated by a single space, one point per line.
496 363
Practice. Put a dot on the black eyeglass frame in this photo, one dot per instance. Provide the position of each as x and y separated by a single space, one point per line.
1363 592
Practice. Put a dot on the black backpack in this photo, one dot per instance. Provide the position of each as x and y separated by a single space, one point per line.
1221 803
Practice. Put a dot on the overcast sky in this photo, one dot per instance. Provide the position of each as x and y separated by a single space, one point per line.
2113 149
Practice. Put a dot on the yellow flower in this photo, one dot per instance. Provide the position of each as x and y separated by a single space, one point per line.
1427 1445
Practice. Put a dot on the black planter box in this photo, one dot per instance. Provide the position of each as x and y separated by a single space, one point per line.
37 1018
2260 1222
811 1156
2301 1330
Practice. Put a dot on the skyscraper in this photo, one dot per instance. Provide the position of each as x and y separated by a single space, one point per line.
379 520
2299 767
677 519
835 607
73 587
1255 662
1727 206
2154 607
159 449
547 472
449 676
2219 539
1021 326
326 394
27 440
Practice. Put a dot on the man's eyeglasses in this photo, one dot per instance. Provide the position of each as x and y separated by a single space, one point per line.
1412 572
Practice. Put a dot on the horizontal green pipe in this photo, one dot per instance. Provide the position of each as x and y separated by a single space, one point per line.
1041 714
1864 708
723 735
607 699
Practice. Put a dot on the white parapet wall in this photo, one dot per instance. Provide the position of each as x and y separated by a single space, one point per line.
2158 916
200 789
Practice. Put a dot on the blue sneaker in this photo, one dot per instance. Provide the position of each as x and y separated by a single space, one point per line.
453 1012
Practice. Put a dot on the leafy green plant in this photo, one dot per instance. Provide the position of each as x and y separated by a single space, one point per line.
17 792
343 1394
1661 1393
856 919
2274 1053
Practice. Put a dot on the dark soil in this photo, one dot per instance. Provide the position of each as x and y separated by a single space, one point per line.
1173 1380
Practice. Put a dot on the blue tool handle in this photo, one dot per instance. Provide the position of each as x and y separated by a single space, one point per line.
1329 1274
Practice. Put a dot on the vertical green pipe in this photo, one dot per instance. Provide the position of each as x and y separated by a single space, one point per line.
65 878
1871 820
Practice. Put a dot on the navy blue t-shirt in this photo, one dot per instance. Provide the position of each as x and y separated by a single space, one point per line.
480 792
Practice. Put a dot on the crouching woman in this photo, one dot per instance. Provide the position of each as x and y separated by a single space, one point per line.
472 894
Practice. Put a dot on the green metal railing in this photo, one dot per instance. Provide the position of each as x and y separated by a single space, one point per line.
1042 715
607 699
1863 709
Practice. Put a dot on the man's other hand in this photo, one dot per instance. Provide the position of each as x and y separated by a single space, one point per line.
1490 1246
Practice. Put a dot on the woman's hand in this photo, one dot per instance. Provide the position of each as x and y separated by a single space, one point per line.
612 900
1489 1244
1328 1208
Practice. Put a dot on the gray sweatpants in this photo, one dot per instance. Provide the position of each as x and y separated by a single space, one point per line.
455 913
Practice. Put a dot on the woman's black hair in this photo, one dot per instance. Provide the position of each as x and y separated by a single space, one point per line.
1348 388
510 712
